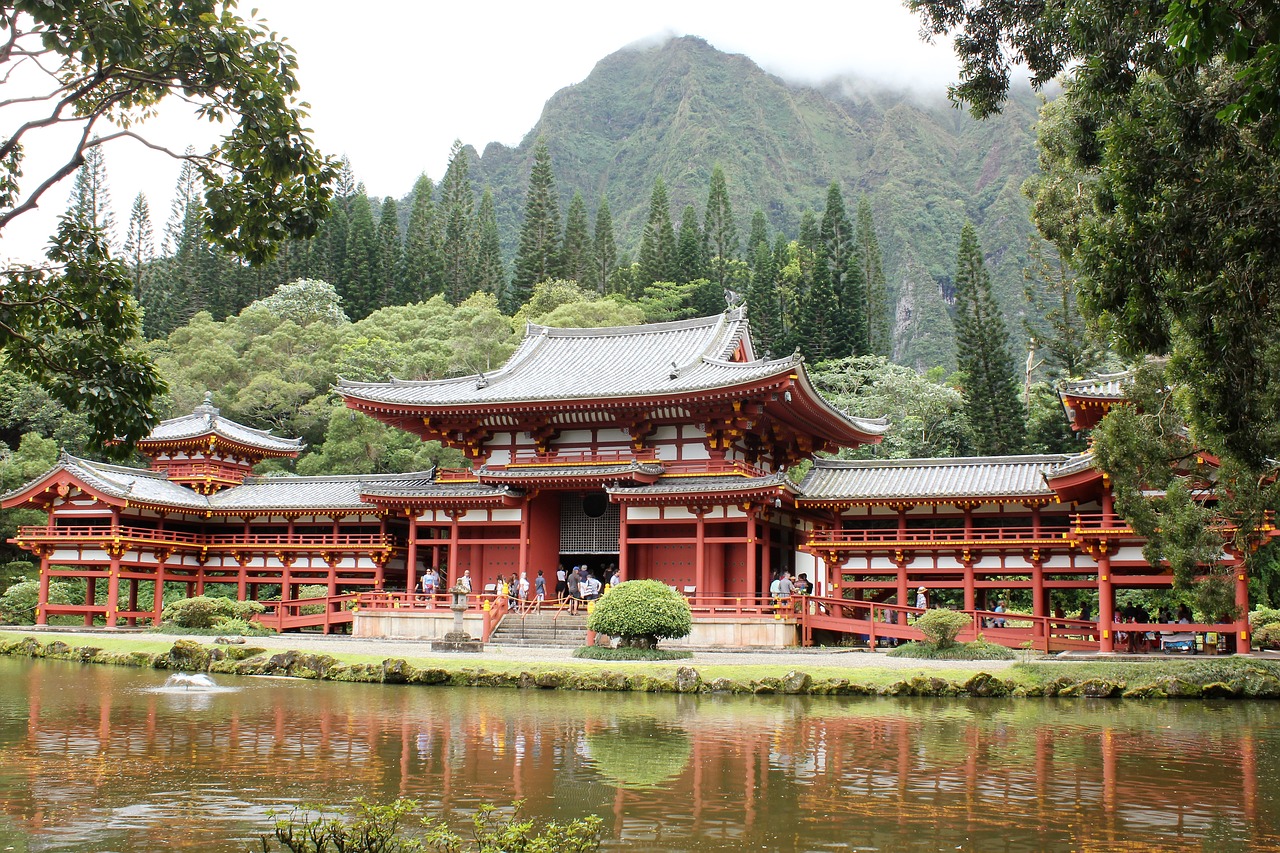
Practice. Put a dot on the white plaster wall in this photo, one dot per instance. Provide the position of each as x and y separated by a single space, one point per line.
643 513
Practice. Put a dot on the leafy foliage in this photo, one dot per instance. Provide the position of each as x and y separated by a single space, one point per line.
641 613
976 650
941 627
18 603
204 611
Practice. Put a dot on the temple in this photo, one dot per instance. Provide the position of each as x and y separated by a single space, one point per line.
664 451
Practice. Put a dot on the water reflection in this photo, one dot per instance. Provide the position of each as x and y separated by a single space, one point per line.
92 759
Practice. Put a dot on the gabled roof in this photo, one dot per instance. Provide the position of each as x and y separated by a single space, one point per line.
698 485
206 420
976 478
1100 386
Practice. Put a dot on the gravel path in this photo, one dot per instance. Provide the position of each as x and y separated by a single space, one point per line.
342 644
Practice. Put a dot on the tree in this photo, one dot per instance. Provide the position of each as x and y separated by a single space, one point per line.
657 260
604 248
91 195
422 274
1161 157
1070 350
69 323
867 249
641 613
690 250
390 255
982 342
360 282
575 254
764 301
538 257
491 273
719 231
139 242
458 237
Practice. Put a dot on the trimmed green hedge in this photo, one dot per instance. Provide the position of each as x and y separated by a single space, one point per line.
640 613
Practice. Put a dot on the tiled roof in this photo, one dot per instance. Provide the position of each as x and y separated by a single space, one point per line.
1073 465
539 472
125 483
920 479
674 485
336 492
1102 386
430 489
207 420
655 360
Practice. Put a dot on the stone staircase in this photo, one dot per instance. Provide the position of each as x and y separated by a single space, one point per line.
550 628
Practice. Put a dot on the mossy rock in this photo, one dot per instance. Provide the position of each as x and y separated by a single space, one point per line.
932 686
549 680
145 660
797 683
244 652
725 685
431 677
188 656
397 671
897 688
26 647
688 680
1057 686
985 686
58 649
1260 684
1094 688
88 653
1178 688
1221 690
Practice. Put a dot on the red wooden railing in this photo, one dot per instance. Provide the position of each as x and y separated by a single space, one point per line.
324 612
493 606
948 535
712 466
599 457
318 541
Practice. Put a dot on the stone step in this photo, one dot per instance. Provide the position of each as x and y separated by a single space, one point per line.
543 644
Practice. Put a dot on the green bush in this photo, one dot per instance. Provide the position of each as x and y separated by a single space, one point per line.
977 650
941 627
627 653
1262 617
206 612
18 604
640 613
16 572
1267 637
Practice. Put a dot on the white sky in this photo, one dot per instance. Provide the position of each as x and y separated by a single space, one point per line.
392 86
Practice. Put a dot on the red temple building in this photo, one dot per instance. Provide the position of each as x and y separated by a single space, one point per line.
662 450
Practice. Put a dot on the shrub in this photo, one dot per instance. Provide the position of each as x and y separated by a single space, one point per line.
206 612
1262 617
941 627
1267 637
16 572
640 613
628 653
240 627
18 604
977 650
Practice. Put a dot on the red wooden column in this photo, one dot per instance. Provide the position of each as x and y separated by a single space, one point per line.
624 567
903 593
700 551
523 558
133 601
113 585
42 608
157 594
453 552
970 599
752 568
1106 601
766 557
1244 643
411 559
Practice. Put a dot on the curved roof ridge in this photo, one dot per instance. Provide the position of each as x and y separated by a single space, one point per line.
929 461
259 480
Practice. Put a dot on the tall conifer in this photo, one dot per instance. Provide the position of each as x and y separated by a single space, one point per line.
604 248
879 334
575 254
91 194
719 231
458 240
690 249
139 242
491 273
657 260
759 233
390 256
538 258
422 273
764 302
360 280
982 344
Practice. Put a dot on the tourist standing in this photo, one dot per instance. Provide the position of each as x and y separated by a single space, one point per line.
524 590
464 582
562 585
571 589
539 591
593 587
922 598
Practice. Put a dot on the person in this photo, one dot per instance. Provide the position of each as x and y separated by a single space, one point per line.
922 598
571 589
562 585
999 622
775 586
523 591
513 592
593 587
464 582
802 585
539 591
615 578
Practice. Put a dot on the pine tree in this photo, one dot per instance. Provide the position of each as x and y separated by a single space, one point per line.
821 334
538 258
836 235
575 253
982 344
139 242
390 255
360 280
423 272
185 194
458 243
491 274
720 232
759 233
764 302
604 248
331 243
658 246
91 194
879 335
690 248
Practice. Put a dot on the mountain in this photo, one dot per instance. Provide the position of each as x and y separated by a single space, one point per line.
678 109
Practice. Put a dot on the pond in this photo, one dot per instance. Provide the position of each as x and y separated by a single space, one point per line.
97 758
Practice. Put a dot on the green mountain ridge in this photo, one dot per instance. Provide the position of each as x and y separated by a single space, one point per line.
678 109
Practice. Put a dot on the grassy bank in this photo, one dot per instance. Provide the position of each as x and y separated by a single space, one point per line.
1226 677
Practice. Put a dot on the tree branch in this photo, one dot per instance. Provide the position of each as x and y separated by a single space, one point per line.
66 169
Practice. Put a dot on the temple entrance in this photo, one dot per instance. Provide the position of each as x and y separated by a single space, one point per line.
589 526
